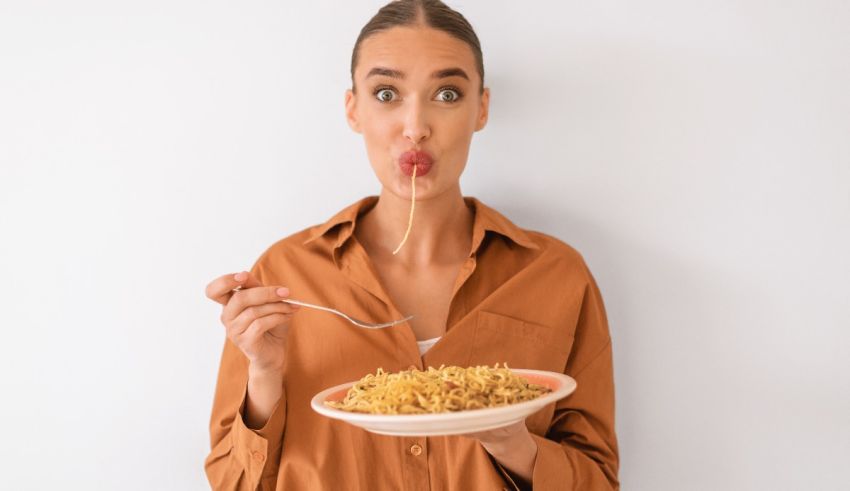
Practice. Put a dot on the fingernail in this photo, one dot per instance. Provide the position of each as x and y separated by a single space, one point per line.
282 292
240 276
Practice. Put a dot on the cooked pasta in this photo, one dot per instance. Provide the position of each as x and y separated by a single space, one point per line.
445 389
412 207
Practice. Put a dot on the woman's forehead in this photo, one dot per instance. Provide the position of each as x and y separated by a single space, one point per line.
414 50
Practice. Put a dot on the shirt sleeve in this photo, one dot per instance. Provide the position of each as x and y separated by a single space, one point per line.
580 450
241 458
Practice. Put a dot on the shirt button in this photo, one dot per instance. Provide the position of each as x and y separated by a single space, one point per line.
259 457
415 449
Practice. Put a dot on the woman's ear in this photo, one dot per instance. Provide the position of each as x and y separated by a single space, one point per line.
350 110
483 110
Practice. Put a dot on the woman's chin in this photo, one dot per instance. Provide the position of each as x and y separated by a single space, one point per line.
403 190
404 184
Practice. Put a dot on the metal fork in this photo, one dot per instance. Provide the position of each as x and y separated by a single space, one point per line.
358 323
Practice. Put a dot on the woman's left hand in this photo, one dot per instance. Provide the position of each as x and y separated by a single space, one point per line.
512 446
502 438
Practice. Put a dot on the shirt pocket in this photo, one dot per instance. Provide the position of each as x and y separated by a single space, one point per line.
521 344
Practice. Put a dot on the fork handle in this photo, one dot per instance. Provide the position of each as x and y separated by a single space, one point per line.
305 304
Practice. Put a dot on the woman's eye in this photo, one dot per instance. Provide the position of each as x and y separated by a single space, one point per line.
385 95
448 95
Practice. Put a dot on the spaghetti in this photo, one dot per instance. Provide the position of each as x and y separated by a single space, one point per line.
412 206
446 389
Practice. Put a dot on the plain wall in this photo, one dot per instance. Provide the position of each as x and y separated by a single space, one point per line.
696 154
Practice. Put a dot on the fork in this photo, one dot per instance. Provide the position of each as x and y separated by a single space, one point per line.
358 323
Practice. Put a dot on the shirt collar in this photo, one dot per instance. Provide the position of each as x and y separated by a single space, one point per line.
486 220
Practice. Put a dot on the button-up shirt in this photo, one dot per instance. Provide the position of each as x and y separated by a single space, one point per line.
522 297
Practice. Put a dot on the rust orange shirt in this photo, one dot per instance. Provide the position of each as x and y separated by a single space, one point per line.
522 297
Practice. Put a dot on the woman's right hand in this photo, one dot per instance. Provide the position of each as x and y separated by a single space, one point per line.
255 318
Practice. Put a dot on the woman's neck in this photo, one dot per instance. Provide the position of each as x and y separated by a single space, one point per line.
441 232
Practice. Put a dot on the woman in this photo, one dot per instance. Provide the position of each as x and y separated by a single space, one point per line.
483 291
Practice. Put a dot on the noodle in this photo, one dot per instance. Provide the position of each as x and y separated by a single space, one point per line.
446 389
412 206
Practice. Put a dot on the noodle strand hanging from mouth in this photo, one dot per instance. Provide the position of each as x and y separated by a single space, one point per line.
412 207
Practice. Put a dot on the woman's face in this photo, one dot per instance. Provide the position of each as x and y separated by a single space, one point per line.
417 96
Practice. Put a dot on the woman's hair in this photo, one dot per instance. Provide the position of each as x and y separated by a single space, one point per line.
430 13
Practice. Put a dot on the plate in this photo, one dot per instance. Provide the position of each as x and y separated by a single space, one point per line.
450 423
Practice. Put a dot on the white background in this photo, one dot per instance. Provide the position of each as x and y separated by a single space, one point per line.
696 153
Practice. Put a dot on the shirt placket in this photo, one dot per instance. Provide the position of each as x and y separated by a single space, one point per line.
415 460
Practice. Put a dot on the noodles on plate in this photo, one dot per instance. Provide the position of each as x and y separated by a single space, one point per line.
445 389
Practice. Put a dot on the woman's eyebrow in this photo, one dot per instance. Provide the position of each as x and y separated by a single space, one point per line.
444 73
385 72
450 72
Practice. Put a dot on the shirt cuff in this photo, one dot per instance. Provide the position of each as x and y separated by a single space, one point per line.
253 448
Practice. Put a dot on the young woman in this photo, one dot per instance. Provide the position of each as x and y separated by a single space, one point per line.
483 291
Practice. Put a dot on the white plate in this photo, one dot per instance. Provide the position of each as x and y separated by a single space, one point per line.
451 423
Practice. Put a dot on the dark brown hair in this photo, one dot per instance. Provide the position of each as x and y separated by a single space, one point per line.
431 13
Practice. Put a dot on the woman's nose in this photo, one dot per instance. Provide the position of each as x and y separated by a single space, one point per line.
416 126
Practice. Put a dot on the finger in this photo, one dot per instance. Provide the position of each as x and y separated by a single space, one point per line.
243 299
262 325
245 281
238 326
221 289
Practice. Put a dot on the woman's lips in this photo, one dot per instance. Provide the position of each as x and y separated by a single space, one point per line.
418 158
